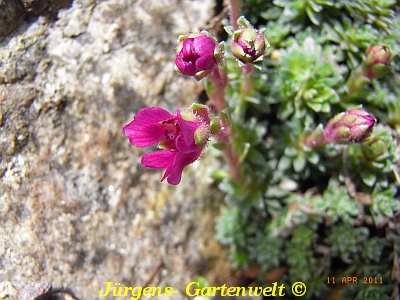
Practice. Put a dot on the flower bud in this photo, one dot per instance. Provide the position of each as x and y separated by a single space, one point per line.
201 136
248 45
378 54
353 125
188 115
378 57
197 54
202 111
215 125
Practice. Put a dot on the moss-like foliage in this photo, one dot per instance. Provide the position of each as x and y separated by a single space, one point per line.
329 211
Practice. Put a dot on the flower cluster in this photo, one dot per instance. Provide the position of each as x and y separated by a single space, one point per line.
199 54
181 136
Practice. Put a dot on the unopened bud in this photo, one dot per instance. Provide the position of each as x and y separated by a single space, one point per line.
215 125
202 111
378 54
201 136
353 125
197 54
188 115
248 45
378 57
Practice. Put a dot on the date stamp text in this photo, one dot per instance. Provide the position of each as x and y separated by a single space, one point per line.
354 280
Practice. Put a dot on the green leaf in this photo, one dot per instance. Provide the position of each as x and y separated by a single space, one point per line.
314 158
245 147
240 258
203 282
220 174
317 107
373 249
315 16
284 163
272 13
368 178
290 151
299 164
285 110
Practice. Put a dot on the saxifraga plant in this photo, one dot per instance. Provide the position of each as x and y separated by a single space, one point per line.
303 104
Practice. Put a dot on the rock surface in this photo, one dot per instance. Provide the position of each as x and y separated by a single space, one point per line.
14 12
76 207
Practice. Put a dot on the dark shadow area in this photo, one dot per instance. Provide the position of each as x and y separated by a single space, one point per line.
13 13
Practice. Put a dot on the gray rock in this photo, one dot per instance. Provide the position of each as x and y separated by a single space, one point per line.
11 15
35 6
14 12
77 209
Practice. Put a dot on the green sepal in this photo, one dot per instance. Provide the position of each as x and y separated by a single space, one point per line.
201 136
215 125
243 22
188 115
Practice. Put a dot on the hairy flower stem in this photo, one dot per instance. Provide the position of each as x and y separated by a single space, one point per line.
233 161
355 84
247 69
314 141
231 157
234 8
246 88
219 81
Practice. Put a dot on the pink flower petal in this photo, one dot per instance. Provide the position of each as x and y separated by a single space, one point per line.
145 129
173 133
174 171
203 45
187 47
158 159
205 62
196 55
150 115
186 67
186 143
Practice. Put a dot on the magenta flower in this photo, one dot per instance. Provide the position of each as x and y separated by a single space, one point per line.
182 138
197 54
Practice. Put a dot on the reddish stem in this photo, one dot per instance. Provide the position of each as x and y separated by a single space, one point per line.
234 8
219 80
247 84
231 157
